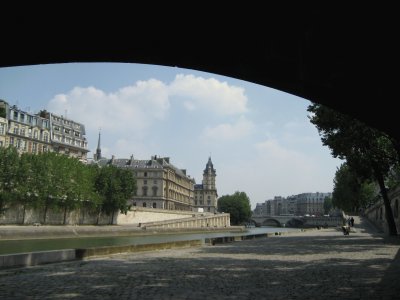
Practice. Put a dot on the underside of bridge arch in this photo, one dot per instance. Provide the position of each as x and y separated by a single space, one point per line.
333 56
295 222
271 222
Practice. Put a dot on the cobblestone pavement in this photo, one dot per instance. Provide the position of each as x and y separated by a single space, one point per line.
309 265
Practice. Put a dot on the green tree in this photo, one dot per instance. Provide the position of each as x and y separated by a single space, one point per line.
9 160
237 205
25 191
369 152
328 205
350 193
115 186
49 181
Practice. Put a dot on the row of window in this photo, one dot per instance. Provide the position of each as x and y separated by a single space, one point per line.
145 188
66 122
3 128
31 133
28 146
23 118
149 174
67 131
202 203
201 197
154 181
154 189
144 204
68 140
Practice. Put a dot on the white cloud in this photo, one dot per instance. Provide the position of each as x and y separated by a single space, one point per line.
210 94
228 132
272 149
300 133
189 105
131 108
275 171
124 148
292 125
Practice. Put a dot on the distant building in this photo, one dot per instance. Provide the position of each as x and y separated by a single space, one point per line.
205 194
41 132
29 133
162 185
3 130
311 203
159 183
67 136
261 209
300 205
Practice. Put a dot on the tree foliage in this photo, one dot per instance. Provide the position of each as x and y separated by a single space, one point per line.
370 153
115 186
328 205
350 193
237 205
8 176
53 181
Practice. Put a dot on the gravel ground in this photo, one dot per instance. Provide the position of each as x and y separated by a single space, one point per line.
307 265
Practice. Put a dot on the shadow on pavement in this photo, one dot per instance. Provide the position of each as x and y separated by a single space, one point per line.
359 266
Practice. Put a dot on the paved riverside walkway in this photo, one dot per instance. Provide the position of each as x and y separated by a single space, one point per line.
317 264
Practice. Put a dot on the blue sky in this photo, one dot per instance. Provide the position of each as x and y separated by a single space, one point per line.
260 139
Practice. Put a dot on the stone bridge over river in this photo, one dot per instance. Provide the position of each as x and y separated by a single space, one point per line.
296 221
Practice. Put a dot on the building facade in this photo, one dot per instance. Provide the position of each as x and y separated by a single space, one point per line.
67 136
41 132
311 203
205 194
29 133
299 205
160 184
3 131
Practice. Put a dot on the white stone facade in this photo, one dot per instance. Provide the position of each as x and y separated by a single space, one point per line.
205 194
299 205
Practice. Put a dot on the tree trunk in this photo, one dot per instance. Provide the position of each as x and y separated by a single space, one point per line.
98 217
65 215
112 218
386 200
45 213
23 216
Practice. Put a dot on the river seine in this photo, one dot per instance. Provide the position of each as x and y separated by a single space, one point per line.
33 245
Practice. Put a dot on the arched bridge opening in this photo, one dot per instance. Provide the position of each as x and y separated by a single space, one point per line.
271 222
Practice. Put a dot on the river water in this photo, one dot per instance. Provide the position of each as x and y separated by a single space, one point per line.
32 245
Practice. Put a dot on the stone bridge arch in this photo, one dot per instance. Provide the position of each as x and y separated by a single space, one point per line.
271 222
266 222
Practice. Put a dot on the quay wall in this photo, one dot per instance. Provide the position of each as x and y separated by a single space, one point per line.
44 257
195 221
376 213
137 215
143 215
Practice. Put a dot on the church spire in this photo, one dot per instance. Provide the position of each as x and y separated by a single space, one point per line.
98 150
209 175
209 167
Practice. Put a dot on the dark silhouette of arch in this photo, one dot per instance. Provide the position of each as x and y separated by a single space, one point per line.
344 57
271 222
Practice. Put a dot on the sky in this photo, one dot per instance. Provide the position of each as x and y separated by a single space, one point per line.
260 140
